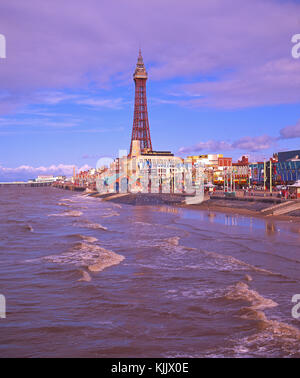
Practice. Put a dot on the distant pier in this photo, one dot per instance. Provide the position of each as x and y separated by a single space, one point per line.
69 186
25 183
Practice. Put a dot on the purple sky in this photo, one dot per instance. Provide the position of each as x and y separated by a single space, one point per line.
221 79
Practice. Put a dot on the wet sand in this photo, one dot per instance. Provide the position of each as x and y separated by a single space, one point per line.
141 198
241 207
247 208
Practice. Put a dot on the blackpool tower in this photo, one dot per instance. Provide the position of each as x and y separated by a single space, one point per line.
140 129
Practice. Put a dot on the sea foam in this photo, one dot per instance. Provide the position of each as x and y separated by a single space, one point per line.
90 256
72 213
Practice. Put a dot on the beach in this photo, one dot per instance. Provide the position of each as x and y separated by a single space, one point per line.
242 206
246 208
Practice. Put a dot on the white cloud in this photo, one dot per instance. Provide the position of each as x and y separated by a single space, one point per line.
290 132
272 83
24 172
204 38
253 144
211 145
247 144
39 122
54 98
115 103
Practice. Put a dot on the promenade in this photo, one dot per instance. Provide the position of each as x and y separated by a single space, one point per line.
257 195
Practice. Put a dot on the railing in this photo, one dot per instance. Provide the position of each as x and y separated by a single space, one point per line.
255 195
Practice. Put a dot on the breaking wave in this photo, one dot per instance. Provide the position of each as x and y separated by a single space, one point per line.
88 239
91 225
117 205
111 214
241 291
28 227
273 335
143 223
107 259
226 262
85 276
63 204
90 256
174 240
72 213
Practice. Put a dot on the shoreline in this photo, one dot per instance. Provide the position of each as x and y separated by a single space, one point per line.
229 209
243 207
223 206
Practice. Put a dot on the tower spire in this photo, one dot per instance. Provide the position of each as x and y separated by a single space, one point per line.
140 129
140 71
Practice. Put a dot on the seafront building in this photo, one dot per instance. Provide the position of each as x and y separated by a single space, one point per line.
47 179
284 171
218 169
283 167
287 168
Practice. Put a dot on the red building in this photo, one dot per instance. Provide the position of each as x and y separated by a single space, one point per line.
242 171
224 162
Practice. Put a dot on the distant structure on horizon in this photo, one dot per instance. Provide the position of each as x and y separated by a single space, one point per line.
140 129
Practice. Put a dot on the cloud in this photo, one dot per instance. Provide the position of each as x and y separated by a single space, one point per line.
254 144
93 156
211 145
5 122
71 45
290 132
272 83
11 103
247 144
115 103
159 101
24 172
54 98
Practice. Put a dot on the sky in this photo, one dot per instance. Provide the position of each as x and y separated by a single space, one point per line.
221 79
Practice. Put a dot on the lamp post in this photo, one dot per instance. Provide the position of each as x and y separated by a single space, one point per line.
271 175
264 174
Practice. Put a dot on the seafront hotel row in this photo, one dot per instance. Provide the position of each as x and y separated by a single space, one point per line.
284 169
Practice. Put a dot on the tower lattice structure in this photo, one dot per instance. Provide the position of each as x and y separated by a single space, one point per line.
140 129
